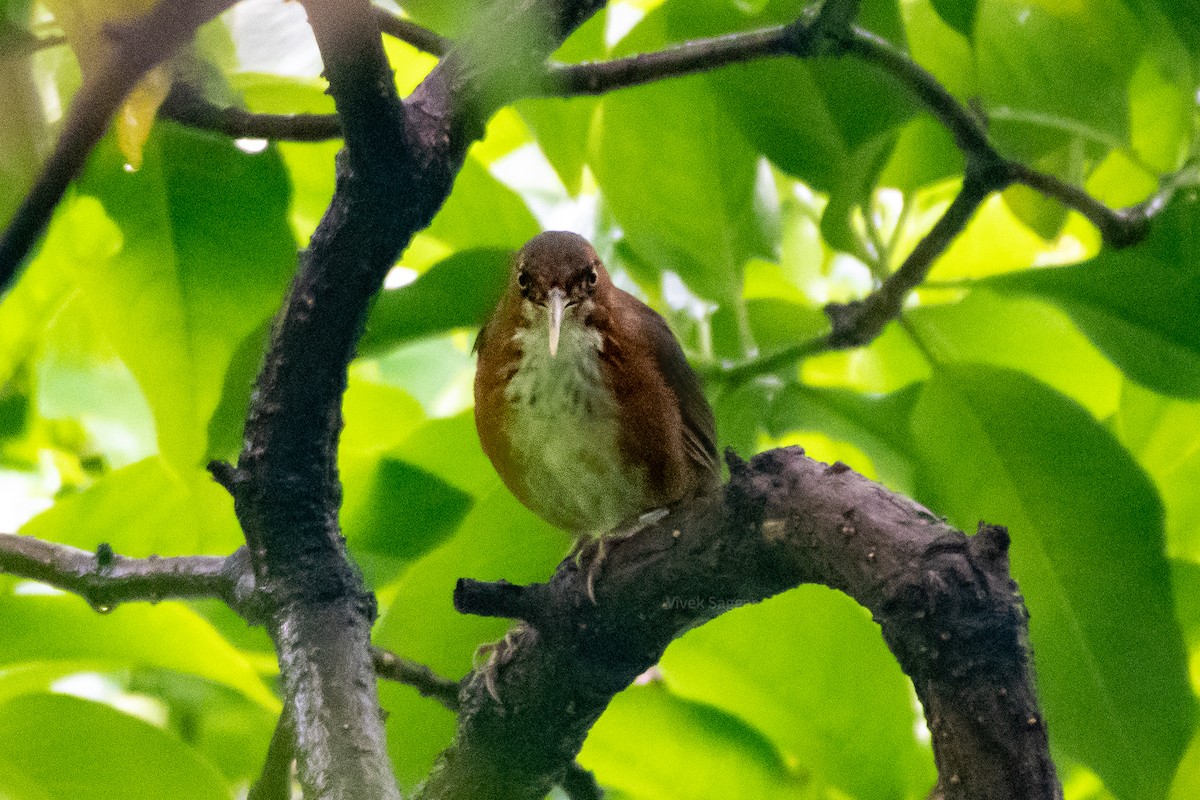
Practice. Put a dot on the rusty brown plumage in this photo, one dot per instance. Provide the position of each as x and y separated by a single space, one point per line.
596 418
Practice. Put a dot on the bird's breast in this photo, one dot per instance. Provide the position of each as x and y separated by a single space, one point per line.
563 424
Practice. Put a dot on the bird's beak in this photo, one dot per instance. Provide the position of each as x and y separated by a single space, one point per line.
556 302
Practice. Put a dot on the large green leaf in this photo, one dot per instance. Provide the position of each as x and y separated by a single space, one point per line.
1087 552
677 175
1139 305
498 538
72 749
459 292
653 745
811 671
392 511
167 636
145 509
1022 333
1052 71
207 251
482 212
561 125
79 378
958 14
876 424
679 180
1164 436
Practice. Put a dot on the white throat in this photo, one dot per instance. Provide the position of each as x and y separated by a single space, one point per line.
564 427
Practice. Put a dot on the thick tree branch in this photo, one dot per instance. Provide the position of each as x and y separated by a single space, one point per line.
288 493
396 169
135 48
946 603
106 579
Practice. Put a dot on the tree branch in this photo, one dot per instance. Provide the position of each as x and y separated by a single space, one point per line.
395 170
946 603
392 667
406 30
106 579
187 105
275 780
136 47
859 322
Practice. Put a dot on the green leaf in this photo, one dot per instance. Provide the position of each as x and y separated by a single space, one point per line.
498 539
1087 553
1187 781
810 670
677 176
222 726
143 509
1044 215
391 509
691 212
167 636
79 379
1138 305
651 745
1025 334
1051 71
482 213
958 14
561 125
458 292
207 252
70 748
876 424
309 164
775 324
924 154
1164 436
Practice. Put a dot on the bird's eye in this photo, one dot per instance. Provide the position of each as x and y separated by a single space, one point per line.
592 277
523 279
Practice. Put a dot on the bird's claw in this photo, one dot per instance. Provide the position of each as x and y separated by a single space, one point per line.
497 654
595 562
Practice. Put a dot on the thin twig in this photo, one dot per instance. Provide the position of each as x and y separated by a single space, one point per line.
406 30
105 579
701 55
25 44
734 376
392 667
859 322
187 105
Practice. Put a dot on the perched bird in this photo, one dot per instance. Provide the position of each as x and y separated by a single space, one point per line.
584 401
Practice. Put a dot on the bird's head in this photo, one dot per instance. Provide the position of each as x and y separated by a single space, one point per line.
557 271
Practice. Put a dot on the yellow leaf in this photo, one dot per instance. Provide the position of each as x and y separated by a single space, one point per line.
83 23
136 116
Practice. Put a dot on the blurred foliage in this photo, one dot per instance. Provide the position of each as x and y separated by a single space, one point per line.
1038 380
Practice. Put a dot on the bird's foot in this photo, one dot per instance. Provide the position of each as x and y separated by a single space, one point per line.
490 657
624 532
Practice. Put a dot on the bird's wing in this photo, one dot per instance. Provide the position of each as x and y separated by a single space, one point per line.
699 428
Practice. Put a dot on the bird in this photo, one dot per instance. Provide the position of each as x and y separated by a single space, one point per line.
584 401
